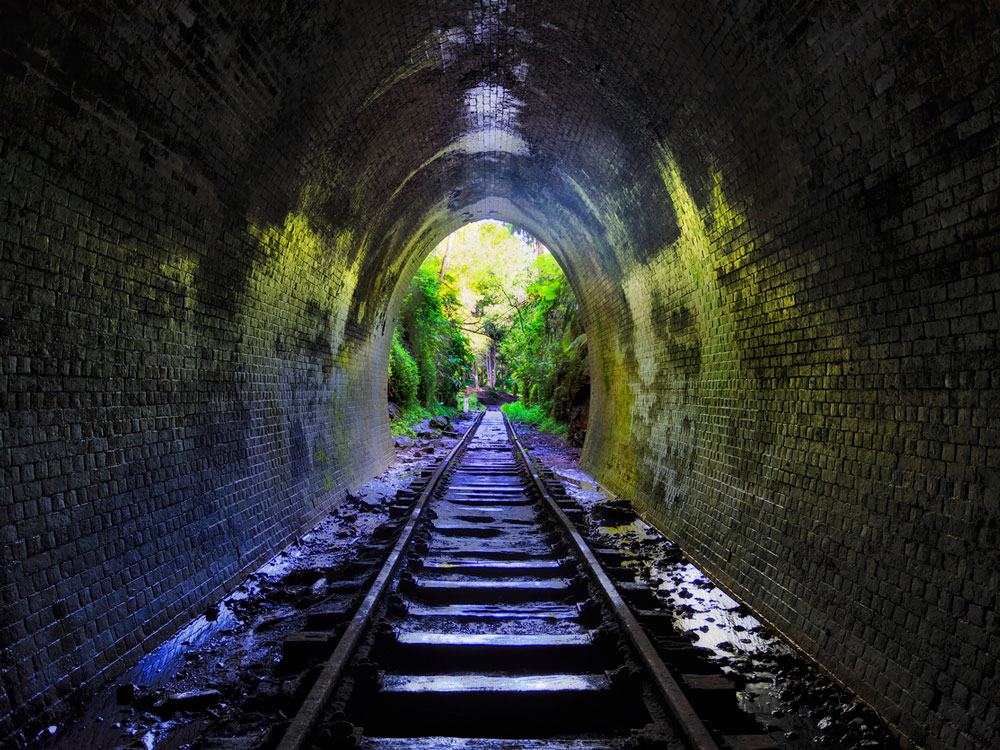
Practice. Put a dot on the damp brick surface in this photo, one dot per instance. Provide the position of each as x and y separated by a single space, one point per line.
780 220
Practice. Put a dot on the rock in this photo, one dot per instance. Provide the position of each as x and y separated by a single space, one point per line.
402 441
49 731
269 622
195 700
439 423
125 694
614 512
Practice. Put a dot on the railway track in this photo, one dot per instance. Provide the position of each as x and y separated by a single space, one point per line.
492 624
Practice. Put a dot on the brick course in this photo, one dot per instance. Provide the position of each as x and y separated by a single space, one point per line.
781 222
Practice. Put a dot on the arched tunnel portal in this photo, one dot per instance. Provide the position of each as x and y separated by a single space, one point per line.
779 218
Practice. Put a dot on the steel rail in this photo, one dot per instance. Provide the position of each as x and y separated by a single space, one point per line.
305 719
691 724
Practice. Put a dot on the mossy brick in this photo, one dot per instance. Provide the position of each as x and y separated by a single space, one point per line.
779 225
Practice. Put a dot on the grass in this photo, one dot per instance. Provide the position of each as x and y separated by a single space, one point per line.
535 415
404 425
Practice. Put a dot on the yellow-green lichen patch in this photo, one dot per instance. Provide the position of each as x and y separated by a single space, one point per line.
686 383
610 451
295 311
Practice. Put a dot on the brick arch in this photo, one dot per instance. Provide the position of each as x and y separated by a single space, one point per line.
780 221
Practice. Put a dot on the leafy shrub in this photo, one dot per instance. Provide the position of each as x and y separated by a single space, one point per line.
439 347
404 377
536 414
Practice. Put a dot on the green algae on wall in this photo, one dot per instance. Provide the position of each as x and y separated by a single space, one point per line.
691 387
308 421
611 387
687 388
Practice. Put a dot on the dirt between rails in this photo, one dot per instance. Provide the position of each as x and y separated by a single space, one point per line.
220 682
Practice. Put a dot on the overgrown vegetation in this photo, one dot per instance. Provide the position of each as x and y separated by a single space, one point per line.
545 352
535 415
404 377
490 314
430 357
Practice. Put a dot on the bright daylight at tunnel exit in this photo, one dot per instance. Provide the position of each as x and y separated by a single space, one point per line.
481 374
490 319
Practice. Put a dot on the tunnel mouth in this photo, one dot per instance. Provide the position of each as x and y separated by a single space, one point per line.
490 319
779 222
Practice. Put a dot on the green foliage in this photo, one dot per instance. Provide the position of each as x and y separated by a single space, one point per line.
452 412
404 378
536 415
496 283
440 349
402 427
412 415
546 352
417 413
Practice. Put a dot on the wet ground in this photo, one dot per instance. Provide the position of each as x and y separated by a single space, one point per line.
781 687
220 682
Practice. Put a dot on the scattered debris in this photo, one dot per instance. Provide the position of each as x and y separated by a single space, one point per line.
801 706
192 700
221 678
221 681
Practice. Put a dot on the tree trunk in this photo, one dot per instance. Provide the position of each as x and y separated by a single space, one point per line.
444 259
491 364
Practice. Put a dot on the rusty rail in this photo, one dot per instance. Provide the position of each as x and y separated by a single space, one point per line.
696 733
307 715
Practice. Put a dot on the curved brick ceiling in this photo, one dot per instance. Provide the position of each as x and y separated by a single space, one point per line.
780 219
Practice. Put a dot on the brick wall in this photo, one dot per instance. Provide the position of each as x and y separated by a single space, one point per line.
780 221
812 365
183 387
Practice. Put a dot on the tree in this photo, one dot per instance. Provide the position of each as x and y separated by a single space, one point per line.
430 327
492 303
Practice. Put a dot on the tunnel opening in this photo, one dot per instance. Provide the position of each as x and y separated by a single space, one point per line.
489 318
782 228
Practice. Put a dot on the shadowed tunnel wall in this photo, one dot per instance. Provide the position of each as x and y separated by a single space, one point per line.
780 221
